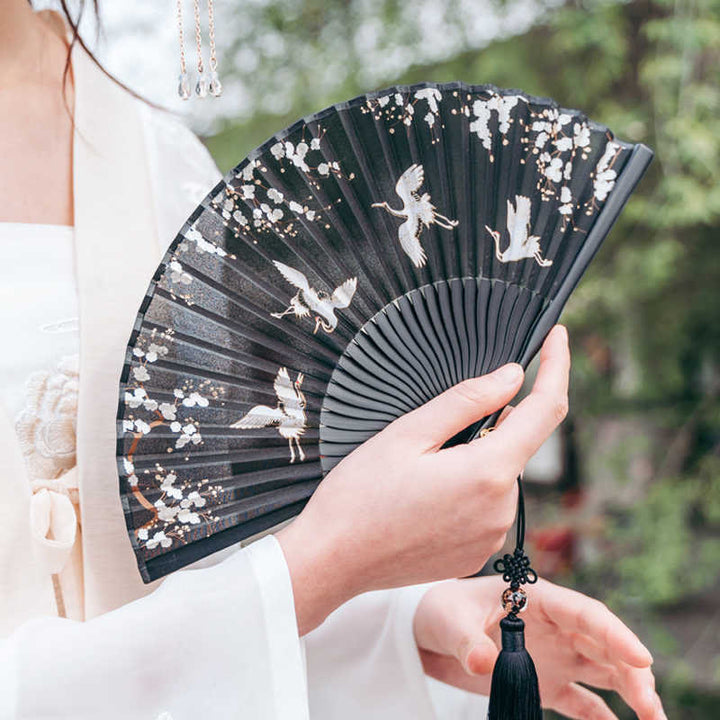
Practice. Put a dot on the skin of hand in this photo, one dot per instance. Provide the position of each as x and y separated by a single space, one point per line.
401 509
572 639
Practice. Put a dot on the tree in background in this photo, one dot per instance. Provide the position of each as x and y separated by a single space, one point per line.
646 320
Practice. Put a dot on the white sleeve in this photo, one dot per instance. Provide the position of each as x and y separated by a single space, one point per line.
182 171
362 662
219 642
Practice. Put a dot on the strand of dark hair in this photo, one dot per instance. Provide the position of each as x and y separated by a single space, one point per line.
76 38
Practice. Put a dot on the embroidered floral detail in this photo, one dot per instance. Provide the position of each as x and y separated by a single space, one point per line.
47 426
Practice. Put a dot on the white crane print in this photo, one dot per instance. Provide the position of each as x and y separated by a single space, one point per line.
308 300
288 415
417 211
522 244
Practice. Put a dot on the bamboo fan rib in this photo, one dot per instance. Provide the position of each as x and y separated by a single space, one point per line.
350 269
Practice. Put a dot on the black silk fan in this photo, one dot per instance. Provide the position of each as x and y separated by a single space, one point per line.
350 269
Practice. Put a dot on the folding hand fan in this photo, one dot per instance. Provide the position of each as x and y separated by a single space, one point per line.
350 269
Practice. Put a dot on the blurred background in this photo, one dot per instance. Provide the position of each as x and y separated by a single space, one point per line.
625 500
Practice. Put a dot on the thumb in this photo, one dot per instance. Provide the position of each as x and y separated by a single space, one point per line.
480 660
450 622
435 422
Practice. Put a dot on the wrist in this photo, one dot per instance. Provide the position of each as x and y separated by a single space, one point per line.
321 579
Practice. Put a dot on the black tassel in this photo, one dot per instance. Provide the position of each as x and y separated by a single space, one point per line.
514 692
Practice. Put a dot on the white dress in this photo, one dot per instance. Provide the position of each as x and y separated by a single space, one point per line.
81 638
218 641
39 387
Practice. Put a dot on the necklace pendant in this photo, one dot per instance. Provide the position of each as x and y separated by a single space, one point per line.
201 86
215 86
184 86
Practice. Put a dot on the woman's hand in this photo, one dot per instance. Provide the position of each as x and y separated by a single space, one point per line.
401 510
572 639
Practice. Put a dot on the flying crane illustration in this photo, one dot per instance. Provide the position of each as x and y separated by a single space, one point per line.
418 213
522 244
289 414
307 300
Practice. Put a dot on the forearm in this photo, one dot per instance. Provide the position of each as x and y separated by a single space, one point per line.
320 571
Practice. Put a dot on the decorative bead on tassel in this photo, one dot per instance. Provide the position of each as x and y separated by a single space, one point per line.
514 691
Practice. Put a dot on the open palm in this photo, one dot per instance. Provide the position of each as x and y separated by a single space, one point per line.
572 638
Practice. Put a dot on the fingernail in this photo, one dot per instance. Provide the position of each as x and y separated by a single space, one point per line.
562 331
509 373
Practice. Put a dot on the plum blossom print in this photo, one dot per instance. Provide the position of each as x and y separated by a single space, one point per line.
309 301
522 245
605 175
288 415
417 211
404 108
482 111
252 207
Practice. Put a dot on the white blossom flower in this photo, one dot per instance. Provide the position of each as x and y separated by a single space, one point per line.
248 171
566 200
324 168
168 411
185 515
541 139
248 192
564 143
142 427
278 150
480 124
196 499
310 215
195 398
383 101
155 351
142 534
433 97
581 135
178 274
202 245
189 434
140 373
168 487
275 195
399 99
297 154
166 513
296 207
430 119
139 397
315 144
240 218
503 105
553 171
159 538
605 176
128 426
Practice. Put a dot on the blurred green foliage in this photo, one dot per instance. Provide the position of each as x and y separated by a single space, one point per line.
645 322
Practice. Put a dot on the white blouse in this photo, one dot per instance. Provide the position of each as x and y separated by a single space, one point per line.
38 297
215 642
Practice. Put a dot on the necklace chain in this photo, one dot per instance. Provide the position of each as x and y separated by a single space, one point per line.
206 83
181 36
211 34
198 37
